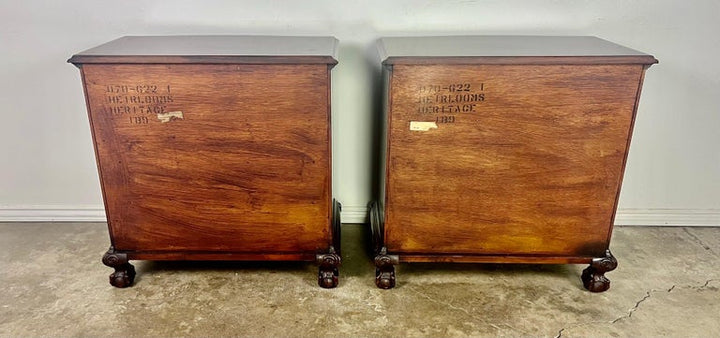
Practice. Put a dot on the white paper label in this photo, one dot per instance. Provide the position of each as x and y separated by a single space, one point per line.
422 125
170 116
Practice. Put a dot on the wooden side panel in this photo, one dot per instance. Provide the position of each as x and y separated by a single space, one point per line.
506 159
213 157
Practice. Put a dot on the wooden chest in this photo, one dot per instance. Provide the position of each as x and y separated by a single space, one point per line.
504 149
214 148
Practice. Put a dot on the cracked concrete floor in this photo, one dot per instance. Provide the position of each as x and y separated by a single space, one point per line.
54 284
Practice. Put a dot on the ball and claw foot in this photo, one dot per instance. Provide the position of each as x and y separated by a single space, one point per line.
385 269
385 278
328 270
593 277
124 274
328 279
123 277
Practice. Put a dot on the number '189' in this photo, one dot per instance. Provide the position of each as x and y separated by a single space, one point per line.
445 119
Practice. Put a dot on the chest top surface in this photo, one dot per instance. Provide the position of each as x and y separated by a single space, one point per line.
507 49
212 49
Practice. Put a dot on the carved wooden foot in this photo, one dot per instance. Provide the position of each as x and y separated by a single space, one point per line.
593 277
124 274
385 269
328 271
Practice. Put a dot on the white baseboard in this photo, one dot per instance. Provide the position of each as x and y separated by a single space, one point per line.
668 217
358 214
52 213
354 213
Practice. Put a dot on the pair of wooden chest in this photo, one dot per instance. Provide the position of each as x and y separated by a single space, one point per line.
498 149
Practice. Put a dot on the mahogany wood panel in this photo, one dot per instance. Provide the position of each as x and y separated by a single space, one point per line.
525 159
411 258
218 256
227 158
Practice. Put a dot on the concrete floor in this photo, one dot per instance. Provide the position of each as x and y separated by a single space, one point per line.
53 284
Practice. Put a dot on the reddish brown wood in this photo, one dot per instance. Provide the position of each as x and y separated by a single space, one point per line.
465 258
505 158
328 270
217 256
385 269
593 277
213 161
124 274
218 178
534 170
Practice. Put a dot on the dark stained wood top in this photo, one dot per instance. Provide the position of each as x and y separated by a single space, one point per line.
500 49
212 49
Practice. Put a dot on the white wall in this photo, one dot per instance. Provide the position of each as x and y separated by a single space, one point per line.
47 169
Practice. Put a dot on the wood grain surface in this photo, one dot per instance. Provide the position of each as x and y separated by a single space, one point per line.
532 168
210 158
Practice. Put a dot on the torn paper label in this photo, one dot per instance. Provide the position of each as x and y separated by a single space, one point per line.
422 125
169 116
